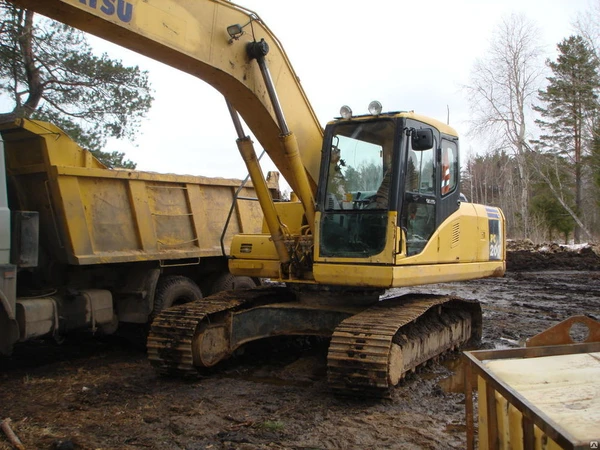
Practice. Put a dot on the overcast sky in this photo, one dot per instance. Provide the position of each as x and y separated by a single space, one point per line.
408 55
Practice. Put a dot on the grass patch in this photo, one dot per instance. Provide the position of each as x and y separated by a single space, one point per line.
271 425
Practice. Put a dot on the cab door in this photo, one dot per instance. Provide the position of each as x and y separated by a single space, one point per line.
421 193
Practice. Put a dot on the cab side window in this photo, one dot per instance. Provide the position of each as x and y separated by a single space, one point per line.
449 167
420 174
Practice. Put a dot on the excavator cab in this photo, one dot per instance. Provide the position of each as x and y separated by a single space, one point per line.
385 177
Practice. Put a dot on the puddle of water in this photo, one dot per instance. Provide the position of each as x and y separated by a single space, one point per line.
455 383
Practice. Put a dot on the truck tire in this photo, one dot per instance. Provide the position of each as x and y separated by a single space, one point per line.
174 290
229 282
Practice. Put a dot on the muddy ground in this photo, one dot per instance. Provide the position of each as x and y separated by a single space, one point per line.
103 394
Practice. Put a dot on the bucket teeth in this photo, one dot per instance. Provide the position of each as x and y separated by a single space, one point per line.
371 351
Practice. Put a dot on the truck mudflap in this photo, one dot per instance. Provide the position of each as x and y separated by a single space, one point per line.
370 352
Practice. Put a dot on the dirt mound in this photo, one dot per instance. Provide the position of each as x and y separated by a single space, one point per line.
524 255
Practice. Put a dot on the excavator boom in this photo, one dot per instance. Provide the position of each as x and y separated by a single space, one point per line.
192 35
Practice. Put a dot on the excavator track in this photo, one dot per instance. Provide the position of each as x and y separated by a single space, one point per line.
370 352
187 337
170 342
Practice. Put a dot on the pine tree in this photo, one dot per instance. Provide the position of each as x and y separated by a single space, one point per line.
594 163
570 104
49 71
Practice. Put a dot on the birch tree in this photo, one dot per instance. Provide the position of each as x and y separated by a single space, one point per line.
503 85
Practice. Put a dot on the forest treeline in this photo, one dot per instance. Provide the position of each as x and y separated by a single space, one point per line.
539 120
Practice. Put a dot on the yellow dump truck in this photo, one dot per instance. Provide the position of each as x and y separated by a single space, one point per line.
86 247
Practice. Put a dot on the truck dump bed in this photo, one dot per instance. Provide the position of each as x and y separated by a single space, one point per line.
90 214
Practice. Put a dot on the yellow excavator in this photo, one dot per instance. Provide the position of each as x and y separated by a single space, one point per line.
376 205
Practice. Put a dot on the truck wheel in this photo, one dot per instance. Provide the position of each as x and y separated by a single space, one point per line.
174 290
229 282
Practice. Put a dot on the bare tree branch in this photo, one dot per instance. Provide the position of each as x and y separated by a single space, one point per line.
502 86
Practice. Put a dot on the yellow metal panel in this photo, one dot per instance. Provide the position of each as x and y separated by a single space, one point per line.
142 216
250 216
467 228
26 152
45 143
253 246
462 238
255 268
440 261
148 176
210 215
400 276
502 419
291 215
73 214
441 126
198 211
172 217
108 213
353 275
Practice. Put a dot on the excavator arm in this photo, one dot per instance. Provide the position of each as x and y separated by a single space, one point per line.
192 35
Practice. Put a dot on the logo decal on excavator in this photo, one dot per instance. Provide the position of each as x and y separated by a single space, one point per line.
123 9
495 233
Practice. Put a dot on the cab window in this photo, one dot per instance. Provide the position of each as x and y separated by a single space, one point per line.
420 173
449 167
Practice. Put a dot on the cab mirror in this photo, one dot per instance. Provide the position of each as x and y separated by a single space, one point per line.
422 139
